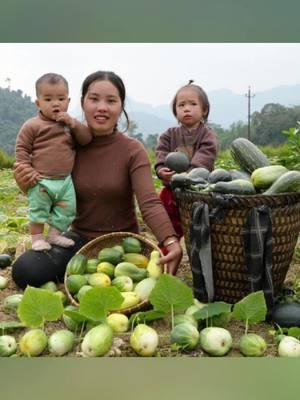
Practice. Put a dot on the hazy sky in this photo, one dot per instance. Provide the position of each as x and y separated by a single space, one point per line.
153 72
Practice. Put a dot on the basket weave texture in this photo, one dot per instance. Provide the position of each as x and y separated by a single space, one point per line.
231 281
92 248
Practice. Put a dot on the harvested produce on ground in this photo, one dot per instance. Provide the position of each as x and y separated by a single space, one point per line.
97 341
185 335
61 342
118 322
8 345
5 260
33 342
252 345
215 341
144 340
286 315
289 347
11 302
3 282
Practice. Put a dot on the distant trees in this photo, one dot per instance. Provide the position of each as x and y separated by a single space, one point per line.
266 126
15 109
226 136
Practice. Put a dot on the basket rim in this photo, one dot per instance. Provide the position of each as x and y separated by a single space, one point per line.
244 196
128 310
232 201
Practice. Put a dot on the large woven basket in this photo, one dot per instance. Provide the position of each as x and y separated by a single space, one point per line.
229 267
92 248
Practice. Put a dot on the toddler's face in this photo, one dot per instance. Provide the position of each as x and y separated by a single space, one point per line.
189 109
52 99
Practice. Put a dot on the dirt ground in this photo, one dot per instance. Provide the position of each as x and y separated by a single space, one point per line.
121 347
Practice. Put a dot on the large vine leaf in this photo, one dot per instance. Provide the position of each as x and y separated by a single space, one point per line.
251 309
170 293
39 305
98 301
212 309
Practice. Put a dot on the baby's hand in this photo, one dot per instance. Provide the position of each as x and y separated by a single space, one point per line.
165 174
66 119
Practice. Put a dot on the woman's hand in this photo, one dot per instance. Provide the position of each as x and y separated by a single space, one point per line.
172 259
25 176
165 174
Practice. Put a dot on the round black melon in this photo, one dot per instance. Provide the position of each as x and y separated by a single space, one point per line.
177 161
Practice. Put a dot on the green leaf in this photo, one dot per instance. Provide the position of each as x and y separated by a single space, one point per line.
251 309
170 292
38 306
76 316
212 309
294 331
146 316
98 301
7 326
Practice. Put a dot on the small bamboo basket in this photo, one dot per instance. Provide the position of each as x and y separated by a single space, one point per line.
92 248
229 267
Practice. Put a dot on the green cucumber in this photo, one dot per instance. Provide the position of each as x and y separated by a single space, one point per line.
219 175
248 156
5 260
238 186
263 178
111 255
131 245
131 270
77 265
286 183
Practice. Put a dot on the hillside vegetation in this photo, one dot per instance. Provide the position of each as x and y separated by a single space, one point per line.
266 125
15 109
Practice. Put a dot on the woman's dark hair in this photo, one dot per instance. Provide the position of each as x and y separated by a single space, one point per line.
202 97
106 76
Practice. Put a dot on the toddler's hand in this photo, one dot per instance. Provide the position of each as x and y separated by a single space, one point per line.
66 119
165 174
25 176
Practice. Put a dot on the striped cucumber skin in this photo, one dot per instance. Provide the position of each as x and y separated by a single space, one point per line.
286 183
248 156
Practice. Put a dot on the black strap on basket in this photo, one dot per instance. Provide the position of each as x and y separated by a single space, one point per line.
257 239
200 252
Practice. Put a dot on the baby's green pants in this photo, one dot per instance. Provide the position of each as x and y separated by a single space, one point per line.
53 201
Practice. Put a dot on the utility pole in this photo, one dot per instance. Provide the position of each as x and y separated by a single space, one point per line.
249 108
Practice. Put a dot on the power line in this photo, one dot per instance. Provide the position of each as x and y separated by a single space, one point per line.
249 96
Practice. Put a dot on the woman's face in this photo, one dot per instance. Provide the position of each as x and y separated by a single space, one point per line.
102 107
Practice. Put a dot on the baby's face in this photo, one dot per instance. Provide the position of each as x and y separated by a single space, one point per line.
52 99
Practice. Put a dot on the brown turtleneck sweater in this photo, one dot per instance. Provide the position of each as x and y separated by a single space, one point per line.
109 173
49 146
200 144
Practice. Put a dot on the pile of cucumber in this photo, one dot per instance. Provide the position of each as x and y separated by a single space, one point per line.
255 176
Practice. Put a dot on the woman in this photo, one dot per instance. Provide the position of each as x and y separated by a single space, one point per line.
109 173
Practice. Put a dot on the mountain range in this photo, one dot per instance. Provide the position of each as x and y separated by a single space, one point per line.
226 107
